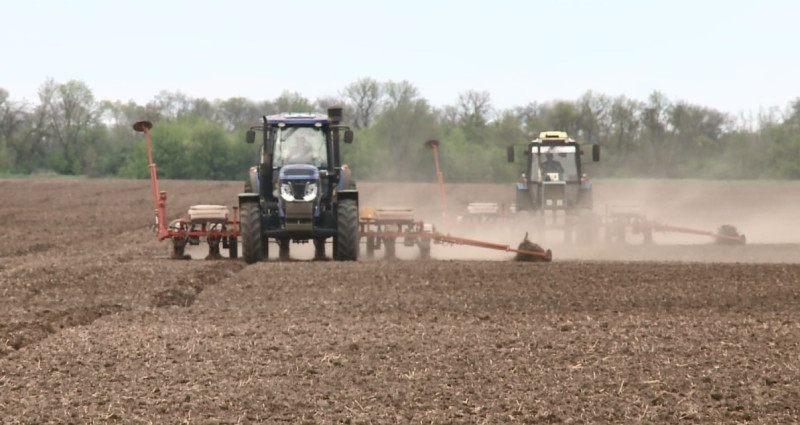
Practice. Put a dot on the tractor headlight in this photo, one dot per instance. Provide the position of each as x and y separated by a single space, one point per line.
299 191
286 192
311 191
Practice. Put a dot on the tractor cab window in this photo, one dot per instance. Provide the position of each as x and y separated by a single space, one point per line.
300 145
554 163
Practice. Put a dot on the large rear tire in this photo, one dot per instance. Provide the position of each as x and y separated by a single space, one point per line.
346 241
252 242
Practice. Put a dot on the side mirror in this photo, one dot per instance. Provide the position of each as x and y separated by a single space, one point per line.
348 136
251 136
595 153
510 154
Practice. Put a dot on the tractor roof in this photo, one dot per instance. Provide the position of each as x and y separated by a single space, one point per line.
554 136
298 118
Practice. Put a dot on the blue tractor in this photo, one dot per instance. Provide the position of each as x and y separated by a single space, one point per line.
300 191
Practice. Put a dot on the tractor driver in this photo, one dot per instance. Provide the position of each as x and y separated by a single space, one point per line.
300 152
550 165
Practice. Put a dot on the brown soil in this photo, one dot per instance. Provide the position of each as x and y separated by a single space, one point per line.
97 325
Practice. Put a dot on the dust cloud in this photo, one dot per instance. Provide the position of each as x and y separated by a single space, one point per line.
764 212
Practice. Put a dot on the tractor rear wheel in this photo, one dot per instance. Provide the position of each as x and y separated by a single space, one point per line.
252 242
346 240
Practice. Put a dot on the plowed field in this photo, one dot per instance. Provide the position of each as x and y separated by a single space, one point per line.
97 325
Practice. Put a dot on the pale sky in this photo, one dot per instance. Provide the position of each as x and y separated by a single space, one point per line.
732 55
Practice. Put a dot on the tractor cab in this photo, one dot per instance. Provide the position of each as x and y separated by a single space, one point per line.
300 145
296 141
554 157
553 177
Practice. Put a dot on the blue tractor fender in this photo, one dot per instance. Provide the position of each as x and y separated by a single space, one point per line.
255 184
346 181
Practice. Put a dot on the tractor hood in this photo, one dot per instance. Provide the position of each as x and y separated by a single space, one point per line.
295 172
299 183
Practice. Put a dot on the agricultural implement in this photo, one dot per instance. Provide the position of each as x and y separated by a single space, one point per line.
385 228
620 221
213 223
617 224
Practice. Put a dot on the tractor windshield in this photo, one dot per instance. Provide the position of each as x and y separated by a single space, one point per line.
300 145
554 163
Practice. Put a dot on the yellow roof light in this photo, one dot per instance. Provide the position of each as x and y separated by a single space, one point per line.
553 135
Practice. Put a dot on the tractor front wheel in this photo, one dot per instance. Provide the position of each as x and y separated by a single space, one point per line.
252 242
346 240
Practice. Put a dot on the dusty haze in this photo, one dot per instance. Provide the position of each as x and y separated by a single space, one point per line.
765 212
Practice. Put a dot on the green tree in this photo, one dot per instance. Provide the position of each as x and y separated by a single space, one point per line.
237 113
70 115
507 130
564 116
12 122
533 120
400 133
171 105
399 92
622 143
70 132
654 126
290 101
168 146
364 97
696 134
474 109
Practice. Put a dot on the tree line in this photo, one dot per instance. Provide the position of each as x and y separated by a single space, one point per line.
70 132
